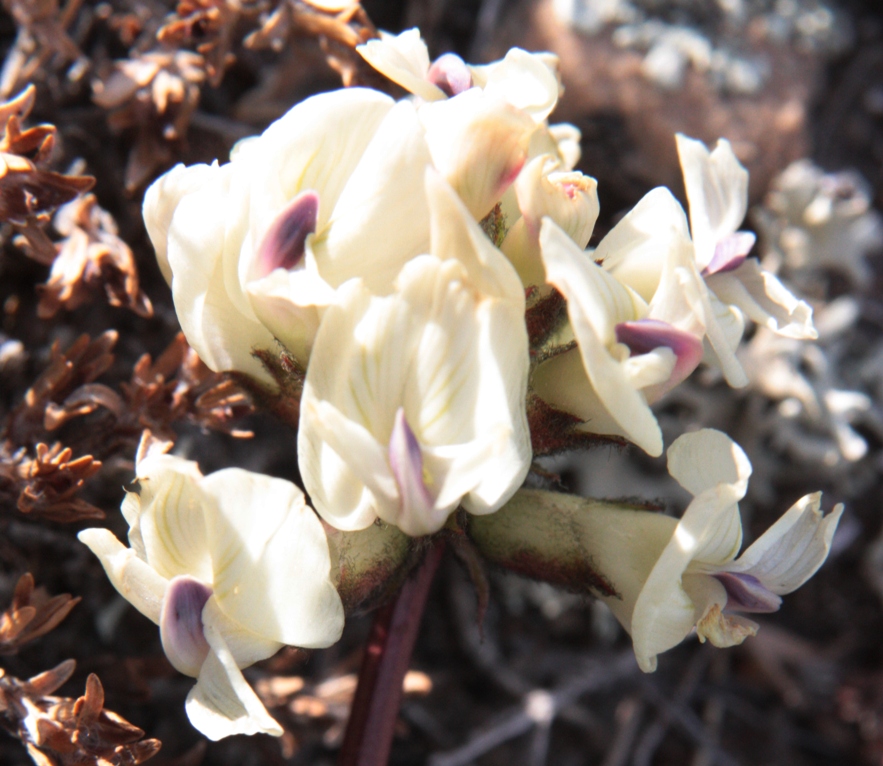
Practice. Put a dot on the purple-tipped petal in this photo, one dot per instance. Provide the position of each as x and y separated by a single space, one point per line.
285 242
729 253
450 73
645 335
406 461
180 624
745 593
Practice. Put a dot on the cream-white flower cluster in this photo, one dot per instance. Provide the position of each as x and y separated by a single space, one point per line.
388 250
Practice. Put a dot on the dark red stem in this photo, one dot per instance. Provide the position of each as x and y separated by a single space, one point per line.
375 709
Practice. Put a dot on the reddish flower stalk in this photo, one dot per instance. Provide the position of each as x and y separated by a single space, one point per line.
375 709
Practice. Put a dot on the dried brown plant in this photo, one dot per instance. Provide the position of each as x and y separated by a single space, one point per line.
209 26
326 704
176 387
91 256
155 94
47 483
42 41
33 613
59 731
29 192
82 363
43 480
338 25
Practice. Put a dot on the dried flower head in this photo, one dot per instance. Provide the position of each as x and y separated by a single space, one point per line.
177 386
338 26
90 256
208 26
32 613
47 484
42 39
59 731
82 363
155 93
28 191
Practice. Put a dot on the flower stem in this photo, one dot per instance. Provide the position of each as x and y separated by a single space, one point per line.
375 709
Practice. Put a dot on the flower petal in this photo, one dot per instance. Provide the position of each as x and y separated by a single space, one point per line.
478 144
271 561
528 81
135 580
171 520
717 190
203 226
596 303
745 593
162 198
316 145
456 236
180 624
730 252
645 335
381 218
450 73
635 250
703 459
764 299
710 465
789 552
406 463
404 59
284 245
222 703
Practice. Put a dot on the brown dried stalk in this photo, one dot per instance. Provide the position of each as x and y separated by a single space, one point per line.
91 256
59 731
32 614
29 192
44 480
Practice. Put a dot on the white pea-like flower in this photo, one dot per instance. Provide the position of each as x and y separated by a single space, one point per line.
231 566
542 189
673 576
254 249
528 81
629 352
414 401
717 192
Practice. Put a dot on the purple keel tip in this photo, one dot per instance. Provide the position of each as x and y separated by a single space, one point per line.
745 593
450 73
180 624
730 252
284 244
406 462
645 335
